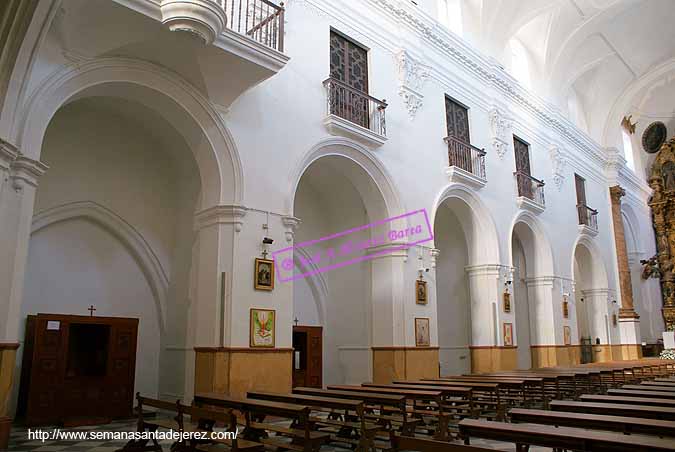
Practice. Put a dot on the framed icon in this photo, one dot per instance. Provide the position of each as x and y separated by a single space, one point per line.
263 327
508 334
422 334
421 292
507 302
567 335
264 274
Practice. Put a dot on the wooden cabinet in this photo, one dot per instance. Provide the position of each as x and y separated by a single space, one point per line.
77 369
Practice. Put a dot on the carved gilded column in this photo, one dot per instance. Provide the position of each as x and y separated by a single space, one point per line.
627 309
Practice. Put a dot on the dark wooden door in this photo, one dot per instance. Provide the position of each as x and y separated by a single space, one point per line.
522 155
580 184
457 123
349 65
308 356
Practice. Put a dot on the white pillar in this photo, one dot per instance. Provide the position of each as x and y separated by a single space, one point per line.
388 314
545 311
485 289
597 306
17 195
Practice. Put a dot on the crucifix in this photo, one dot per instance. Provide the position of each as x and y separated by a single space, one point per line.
296 321
91 310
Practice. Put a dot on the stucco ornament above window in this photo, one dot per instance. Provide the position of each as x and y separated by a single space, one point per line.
559 162
500 127
412 76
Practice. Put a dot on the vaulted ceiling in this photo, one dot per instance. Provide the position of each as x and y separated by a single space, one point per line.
598 60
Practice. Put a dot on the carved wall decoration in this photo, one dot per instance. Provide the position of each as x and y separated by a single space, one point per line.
662 203
559 162
412 76
500 127
627 125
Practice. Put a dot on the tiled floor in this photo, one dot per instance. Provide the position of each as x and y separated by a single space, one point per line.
19 441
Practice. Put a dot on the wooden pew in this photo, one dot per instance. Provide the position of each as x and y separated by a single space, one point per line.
647 401
383 403
615 409
518 391
659 382
626 425
201 421
401 443
416 396
344 414
578 439
256 429
649 388
640 393
486 396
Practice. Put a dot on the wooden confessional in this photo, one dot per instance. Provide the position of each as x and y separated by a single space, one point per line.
77 369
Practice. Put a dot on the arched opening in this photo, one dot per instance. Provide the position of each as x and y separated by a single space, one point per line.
334 194
453 299
593 304
523 263
114 214
532 264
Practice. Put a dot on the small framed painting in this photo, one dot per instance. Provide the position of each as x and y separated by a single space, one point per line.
421 292
507 302
566 309
263 328
422 335
508 334
614 322
567 335
264 274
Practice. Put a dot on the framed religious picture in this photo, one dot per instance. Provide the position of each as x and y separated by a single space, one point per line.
566 309
508 334
262 330
507 302
567 335
421 291
422 334
614 322
264 274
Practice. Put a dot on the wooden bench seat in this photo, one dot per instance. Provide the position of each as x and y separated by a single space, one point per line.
632 400
622 424
402 443
615 409
578 439
638 393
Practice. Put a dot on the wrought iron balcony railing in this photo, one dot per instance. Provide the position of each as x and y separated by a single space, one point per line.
260 20
587 216
466 156
529 187
355 106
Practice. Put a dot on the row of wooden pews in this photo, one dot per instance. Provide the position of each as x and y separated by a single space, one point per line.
604 406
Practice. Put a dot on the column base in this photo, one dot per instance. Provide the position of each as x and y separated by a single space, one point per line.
404 363
493 358
630 351
5 430
555 355
235 371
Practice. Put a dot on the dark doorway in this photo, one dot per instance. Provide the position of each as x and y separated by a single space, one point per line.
308 356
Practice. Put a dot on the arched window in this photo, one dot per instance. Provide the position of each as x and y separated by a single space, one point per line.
628 149
450 15
520 65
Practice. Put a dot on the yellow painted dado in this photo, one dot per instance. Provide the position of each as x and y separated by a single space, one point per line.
404 363
555 355
630 351
490 359
7 364
235 371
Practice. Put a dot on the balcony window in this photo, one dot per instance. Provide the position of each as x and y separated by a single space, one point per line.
530 189
347 92
461 153
588 218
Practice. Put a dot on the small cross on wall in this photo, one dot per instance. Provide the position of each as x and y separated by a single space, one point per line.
91 310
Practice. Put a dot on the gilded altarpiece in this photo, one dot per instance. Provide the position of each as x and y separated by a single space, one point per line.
662 203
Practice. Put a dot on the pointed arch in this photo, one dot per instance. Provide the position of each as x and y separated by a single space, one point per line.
128 236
